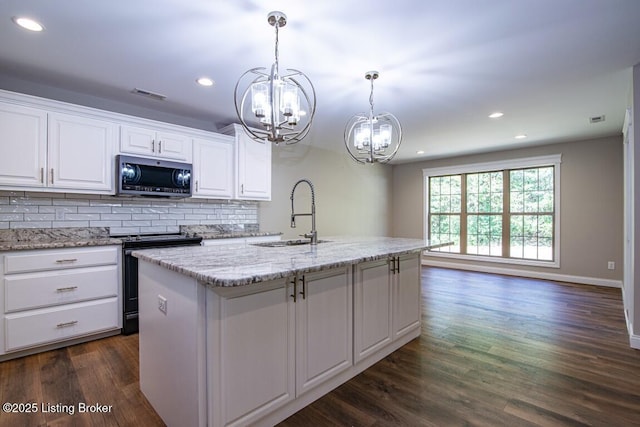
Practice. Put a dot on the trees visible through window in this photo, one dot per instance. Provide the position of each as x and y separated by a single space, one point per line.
507 213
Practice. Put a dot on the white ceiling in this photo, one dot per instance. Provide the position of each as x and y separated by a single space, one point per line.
444 65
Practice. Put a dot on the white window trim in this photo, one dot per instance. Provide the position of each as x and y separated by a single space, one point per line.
527 162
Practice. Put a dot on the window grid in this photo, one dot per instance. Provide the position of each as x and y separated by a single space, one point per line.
484 213
507 213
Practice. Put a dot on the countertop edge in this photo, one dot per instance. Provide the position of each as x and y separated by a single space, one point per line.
209 278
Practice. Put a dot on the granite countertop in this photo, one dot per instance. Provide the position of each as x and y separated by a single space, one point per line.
225 231
74 237
244 264
48 238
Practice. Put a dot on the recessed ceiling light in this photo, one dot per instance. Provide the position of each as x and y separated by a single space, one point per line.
420 152
205 81
28 24
521 136
496 115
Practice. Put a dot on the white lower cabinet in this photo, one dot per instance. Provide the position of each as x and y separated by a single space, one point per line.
406 295
324 334
274 348
372 308
257 360
386 302
256 354
54 295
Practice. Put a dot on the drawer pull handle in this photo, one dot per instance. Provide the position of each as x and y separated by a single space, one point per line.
62 261
66 324
67 289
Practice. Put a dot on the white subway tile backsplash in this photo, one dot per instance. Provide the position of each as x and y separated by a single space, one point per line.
11 217
155 210
126 209
94 209
105 224
20 209
63 224
115 217
82 217
39 217
149 217
13 208
70 202
31 224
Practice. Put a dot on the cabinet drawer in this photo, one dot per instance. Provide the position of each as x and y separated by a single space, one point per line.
59 259
27 291
35 327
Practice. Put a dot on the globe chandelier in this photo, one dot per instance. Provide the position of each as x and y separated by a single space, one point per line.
275 107
372 138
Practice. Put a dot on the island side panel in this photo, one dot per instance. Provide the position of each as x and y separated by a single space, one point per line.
172 350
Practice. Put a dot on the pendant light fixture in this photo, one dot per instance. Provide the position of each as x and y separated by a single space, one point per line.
372 138
275 107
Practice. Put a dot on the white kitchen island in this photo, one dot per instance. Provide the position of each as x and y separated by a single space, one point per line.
243 334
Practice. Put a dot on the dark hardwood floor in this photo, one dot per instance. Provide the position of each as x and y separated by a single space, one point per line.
494 351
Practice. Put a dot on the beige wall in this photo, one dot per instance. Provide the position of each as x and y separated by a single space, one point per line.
351 199
591 193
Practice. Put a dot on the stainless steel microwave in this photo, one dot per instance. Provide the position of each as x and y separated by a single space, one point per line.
140 176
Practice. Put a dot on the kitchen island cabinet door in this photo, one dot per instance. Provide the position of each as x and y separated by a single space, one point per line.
406 295
324 327
257 361
372 308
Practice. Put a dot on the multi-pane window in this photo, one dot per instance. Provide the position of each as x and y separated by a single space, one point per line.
531 213
506 213
446 206
484 213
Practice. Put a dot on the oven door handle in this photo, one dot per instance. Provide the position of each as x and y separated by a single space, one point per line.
128 252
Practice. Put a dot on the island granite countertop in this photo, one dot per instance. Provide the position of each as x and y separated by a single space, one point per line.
244 264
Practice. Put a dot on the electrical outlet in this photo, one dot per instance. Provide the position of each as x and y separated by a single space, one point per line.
611 265
59 214
162 304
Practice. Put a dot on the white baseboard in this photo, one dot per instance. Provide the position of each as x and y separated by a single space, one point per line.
526 273
634 340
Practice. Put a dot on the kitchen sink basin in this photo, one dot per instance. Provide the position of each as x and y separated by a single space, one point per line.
284 243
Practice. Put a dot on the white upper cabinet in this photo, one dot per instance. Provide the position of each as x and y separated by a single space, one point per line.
213 160
81 153
155 142
23 146
253 175
55 151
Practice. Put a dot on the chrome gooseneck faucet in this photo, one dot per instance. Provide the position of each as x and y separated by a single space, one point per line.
313 235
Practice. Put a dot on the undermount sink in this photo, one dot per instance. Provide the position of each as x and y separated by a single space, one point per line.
284 243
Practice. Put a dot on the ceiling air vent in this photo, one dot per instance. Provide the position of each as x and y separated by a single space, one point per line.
596 119
149 94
